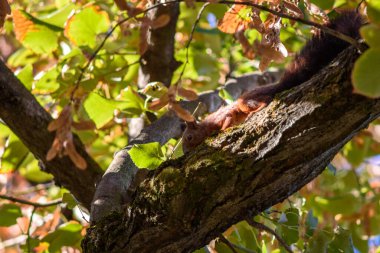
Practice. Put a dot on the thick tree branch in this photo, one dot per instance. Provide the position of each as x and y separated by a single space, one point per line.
28 120
112 191
189 201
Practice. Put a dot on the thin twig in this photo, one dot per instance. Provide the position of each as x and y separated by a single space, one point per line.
29 226
271 231
227 242
190 39
26 202
324 28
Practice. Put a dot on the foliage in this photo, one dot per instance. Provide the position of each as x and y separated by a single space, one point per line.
80 59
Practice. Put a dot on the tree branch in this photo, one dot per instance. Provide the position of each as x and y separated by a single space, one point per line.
187 202
26 202
22 113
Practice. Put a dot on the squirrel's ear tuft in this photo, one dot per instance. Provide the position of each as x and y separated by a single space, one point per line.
192 124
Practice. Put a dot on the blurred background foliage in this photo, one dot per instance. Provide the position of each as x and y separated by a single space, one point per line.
47 44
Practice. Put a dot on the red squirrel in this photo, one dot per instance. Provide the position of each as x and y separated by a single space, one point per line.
321 49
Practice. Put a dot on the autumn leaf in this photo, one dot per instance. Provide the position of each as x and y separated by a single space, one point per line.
160 21
188 94
23 25
181 113
159 103
236 18
63 143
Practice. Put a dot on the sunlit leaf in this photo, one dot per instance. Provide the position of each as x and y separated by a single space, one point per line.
373 11
371 34
101 110
83 27
69 200
26 76
35 34
365 78
148 156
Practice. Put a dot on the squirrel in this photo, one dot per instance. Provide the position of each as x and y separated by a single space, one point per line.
321 49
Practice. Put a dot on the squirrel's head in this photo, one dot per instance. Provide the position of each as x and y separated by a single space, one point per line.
192 136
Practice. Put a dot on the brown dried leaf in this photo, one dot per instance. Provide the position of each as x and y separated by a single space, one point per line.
182 113
293 8
5 10
159 22
76 158
84 125
248 49
188 94
54 150
159 103
232 21
63 118
270 53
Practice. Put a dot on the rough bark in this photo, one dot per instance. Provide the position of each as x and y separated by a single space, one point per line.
244 170
28 120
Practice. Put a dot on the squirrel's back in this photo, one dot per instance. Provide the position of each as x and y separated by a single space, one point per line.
321 49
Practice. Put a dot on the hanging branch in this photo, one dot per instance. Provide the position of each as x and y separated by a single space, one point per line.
26 202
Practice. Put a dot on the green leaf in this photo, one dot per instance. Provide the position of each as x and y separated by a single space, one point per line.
48 82
39 36
342 241
32 172
319 242
147 156
371 34
373 11
223 93
69 200
365 76
289 229
26 76
13 155
68 234
101 110
22 57
335 204
83 27
9 213
324 4
59 17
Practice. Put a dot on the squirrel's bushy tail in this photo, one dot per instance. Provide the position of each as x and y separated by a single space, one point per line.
321 49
